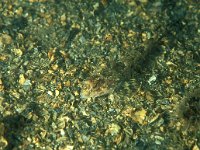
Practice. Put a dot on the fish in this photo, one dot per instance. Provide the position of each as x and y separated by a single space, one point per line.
96 87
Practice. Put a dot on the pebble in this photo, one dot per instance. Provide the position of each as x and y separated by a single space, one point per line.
18 52
5 39
21 79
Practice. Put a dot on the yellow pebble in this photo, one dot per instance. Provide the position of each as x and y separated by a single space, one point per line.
21 79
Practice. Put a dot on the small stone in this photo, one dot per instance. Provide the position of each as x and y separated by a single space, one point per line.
108 37
76 93
50 93
113 129
63 19
169 63
27 84
17 52
143 1
5 39
1 86
2 129
131 33
168 80
3 57
149 96
144 36
54 67
3 142
111 97
152 79
21 79
19 11
62 132
67 83
68 147
195 147
139 116
57 93
157 142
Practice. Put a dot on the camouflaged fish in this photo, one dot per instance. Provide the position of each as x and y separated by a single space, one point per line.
96 87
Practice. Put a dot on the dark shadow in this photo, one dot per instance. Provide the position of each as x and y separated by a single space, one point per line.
14 125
